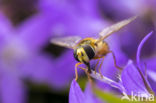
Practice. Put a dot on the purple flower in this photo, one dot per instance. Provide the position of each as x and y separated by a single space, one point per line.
132 80
133 77
76 95
21 57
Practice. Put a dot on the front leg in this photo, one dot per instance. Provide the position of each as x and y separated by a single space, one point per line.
88 75
76 73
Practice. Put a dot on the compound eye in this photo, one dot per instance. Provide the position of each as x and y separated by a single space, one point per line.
76 55
89 51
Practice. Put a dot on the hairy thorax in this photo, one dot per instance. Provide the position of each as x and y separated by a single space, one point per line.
101 49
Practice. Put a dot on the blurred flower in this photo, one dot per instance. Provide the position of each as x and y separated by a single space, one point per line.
121 9
21 57
73 17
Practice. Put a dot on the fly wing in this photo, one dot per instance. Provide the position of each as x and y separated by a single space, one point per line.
114 28
68 42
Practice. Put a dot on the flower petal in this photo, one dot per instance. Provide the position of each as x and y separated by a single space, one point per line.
132 80
90 97
151 71
151 63
63 70
56 72
38 68
35 31
6 29
5 25
76 95
152 79
73 13
12 89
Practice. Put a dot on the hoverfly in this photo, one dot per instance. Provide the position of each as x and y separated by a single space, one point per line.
90 48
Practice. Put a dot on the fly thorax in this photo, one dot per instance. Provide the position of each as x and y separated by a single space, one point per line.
102 48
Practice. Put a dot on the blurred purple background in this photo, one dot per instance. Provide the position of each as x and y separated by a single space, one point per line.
32 70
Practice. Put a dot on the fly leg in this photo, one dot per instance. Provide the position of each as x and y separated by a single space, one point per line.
96 65
86 71
115 64
76 73
99 69
88 75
